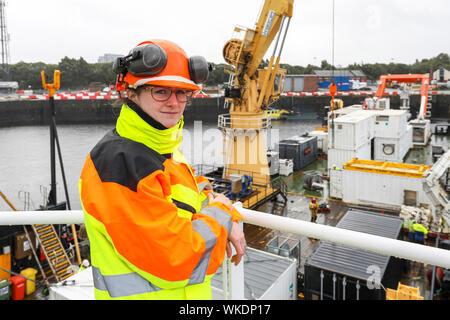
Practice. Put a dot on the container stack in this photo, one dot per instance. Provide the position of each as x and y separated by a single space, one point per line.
393 135
349 136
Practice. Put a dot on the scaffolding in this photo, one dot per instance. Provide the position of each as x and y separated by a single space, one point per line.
4 39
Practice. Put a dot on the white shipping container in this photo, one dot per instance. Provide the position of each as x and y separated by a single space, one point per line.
322 140
390 123
336 183
340 156
351 131
382 190
347 110
393 149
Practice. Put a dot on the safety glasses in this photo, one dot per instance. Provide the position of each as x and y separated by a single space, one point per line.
162 94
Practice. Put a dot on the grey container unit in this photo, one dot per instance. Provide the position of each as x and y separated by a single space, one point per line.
301 149
335 271
266 277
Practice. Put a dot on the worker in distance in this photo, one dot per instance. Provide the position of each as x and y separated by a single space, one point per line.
156 230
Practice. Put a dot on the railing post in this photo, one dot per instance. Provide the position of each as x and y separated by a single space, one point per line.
321 284
225 289
334 286
237 277
344 283
233 277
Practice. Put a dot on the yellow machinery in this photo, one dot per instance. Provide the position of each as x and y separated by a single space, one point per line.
251 90
52 203
51 87
403 293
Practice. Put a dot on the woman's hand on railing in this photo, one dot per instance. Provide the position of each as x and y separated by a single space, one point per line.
236 236
219 197
237 239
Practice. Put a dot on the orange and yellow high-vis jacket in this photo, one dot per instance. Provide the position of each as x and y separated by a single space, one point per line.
149 236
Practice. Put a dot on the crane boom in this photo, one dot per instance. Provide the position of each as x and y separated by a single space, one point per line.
250 90
267 27
252 87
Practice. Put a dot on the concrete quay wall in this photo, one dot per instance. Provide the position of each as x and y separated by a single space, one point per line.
37 112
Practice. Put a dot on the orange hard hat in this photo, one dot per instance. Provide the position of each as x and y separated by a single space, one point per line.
313 200
161 63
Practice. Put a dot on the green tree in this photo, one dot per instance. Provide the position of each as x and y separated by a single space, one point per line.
77 73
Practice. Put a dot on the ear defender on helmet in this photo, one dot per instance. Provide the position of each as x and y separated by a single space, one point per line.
145 60
150 60
198 69
151 63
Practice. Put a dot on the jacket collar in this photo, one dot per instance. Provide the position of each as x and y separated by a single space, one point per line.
140 127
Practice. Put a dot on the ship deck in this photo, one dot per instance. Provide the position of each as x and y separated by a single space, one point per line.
297 207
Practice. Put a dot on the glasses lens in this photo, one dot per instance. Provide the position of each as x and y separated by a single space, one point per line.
183 95
161 93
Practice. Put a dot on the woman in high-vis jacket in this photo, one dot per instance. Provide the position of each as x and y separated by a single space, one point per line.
151 235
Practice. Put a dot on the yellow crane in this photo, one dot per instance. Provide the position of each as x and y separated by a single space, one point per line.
251 90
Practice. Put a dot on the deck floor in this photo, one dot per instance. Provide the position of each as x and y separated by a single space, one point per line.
298 208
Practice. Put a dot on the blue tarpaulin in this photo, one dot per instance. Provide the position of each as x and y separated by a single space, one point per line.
342 83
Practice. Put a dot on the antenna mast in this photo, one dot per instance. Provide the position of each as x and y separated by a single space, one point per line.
4 39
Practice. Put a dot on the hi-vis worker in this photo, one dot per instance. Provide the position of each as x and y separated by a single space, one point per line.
313 207
420 232
149 236
411 222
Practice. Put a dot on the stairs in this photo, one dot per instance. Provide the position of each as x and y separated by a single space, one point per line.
58 261
279 206
429 106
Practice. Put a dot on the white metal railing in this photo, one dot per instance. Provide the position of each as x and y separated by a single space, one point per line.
228 122
233 276
360 240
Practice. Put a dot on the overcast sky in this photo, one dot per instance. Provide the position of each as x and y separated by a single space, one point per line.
365 30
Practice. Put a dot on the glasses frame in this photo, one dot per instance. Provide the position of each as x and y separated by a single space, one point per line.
187 93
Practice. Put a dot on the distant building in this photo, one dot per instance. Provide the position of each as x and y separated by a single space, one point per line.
441 75
7 87
301 83
326 75
108 57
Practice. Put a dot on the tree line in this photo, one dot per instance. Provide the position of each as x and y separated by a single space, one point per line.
78 74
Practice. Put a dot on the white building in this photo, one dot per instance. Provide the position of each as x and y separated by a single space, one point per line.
7 87
441 75
108 57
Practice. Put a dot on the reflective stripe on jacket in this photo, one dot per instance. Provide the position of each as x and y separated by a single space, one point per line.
410 225
149 237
